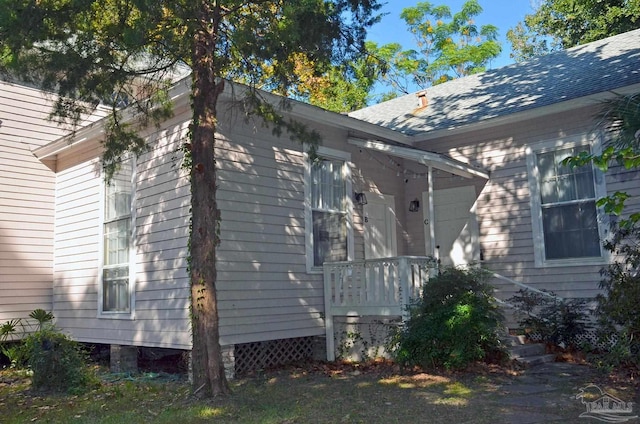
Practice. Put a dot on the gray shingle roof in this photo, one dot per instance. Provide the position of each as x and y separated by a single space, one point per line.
581 71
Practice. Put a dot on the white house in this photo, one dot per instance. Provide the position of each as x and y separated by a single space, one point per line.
464 171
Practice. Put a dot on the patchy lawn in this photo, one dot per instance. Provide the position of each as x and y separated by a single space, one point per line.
316 393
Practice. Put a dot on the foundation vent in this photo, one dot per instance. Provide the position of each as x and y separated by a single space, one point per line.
252 357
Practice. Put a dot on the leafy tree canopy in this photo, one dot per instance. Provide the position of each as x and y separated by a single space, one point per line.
448 46
123 51
127 52
561 24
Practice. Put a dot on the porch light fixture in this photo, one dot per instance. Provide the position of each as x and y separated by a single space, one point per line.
360 198
414 205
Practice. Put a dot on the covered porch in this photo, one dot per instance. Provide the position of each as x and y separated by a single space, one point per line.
384 283
377 287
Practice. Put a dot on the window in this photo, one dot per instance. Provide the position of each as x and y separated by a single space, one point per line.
116 288
329 216
565 217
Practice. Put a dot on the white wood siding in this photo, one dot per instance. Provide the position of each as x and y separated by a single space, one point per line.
161 229
26 202
503 204
264 290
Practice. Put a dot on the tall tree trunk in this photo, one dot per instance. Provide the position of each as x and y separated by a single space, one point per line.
208 368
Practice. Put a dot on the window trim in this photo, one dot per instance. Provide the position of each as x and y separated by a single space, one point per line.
123 315
334 154
593 141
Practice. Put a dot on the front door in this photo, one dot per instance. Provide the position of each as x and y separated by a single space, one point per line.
380 226
455 224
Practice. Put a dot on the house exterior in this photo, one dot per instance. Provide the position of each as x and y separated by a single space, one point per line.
466 171
537 223
27 200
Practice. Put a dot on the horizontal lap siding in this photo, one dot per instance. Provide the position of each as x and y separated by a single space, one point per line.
161 283
162 231
503 204
77 242
26 202
264 290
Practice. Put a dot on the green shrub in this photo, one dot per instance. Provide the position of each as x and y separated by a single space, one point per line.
618 312
57 361
559 322
12 332
10 348
618 307
456 322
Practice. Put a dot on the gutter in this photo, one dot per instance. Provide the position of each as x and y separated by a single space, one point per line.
180 95
538 112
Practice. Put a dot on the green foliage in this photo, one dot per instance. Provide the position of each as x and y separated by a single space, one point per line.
455 322
12 332
125 54
619 119
559 322
449 46
560 24
618 307
57 362
10 348
41 316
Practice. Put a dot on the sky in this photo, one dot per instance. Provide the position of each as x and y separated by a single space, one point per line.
504 14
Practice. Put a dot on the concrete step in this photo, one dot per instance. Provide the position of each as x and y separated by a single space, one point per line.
525 350
531 361
515 340
528 354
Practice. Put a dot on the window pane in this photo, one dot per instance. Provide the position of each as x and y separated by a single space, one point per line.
329 237
571 231
117 239
118 193
115 287
328 186
566 188
584 183
559 183
116 242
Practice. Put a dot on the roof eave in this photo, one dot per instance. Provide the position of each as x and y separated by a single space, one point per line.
95 130
526 114
426 158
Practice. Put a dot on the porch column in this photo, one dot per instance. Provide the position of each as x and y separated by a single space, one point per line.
432 223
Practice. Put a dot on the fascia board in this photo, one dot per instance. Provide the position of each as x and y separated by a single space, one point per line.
539 112
435 160
179 95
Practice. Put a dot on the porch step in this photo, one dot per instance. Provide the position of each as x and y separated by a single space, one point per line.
528 354
516 340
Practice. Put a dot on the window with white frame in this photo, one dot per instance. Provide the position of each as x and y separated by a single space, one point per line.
116 288
329 232
565 216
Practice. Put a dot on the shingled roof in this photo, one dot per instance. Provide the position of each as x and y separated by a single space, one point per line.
582 71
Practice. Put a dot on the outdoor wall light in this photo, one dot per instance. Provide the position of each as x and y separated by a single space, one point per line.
414 205
360 198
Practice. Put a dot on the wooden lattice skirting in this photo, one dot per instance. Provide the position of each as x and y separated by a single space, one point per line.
252 357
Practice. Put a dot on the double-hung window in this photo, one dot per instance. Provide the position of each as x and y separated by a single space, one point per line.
116 285
565 216
329 219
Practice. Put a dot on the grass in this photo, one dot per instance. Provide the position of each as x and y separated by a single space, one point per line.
316 393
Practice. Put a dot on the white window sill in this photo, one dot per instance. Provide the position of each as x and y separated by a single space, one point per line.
125 316
556 263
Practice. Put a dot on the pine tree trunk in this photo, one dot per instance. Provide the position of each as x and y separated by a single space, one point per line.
208 368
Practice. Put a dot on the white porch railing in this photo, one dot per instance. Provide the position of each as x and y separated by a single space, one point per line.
382 287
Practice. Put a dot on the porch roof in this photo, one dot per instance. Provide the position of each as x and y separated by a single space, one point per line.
436 160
